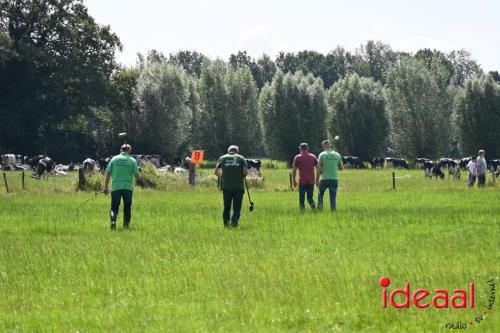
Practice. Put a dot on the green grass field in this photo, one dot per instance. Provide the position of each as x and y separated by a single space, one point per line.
178 270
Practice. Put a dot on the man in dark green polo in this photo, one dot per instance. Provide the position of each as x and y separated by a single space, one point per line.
121 170
232 170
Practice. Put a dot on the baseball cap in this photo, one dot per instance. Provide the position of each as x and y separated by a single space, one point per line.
303 145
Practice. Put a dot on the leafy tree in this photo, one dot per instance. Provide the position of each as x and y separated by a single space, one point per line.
377 59
190 61
419 109
229 110
477 115
294 110
464 67
55 66
358 115
162 92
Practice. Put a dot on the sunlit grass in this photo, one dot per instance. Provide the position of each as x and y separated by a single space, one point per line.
178 269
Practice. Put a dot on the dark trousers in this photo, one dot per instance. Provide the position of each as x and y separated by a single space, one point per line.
234 197
303 190
481 180
116 197
331 185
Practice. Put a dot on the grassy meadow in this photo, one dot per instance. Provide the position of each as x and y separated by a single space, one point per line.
178 270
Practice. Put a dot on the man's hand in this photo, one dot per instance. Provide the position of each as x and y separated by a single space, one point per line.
106 191
295 184
317 183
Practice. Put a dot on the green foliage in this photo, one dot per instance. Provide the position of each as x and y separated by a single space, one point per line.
358 116
294 110
164 116
56 63
419 108
477 115
94 182
148 176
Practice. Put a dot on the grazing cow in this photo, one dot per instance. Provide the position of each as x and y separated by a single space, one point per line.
88 165
493 165
454 171
464 161
377 162
446 162
419 162
45 166
254 164
353 162
9 161
153 159
396 163
103 163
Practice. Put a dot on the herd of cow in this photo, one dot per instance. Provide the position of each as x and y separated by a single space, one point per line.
42 164
431 168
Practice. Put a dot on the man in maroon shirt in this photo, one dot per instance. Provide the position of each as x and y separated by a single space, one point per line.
306 163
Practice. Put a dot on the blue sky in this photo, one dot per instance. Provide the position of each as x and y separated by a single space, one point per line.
218 28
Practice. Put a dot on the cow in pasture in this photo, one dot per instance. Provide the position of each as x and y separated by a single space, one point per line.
44 167
103 163
9 161
493 165
353 162
464 161
377 162
153 159
454 171
400 163
445 162
88 165
254 164
432 169
419 162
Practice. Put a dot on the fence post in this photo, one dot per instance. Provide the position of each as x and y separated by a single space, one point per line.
5 182
291 182
393 180
22 180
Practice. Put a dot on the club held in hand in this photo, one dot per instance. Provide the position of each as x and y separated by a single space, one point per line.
249 199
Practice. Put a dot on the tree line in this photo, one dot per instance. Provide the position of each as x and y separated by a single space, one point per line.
62 93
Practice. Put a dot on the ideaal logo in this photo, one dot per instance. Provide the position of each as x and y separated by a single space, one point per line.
439 299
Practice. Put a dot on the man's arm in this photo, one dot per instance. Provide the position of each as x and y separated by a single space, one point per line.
294 174
107 177
341 165
245 171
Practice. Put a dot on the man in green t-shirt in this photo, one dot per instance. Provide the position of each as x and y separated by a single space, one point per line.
232 170
330 162
121 169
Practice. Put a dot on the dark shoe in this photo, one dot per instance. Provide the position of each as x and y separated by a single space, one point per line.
113 225
126 225
235 225
226 224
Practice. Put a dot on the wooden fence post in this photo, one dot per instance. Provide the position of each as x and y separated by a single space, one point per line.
22 180
5 182
393 180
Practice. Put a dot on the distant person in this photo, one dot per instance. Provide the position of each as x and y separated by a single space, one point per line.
481 169
306 163
330 162
472 169
232 169
121 170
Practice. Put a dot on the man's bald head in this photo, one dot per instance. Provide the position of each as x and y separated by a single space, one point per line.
126 148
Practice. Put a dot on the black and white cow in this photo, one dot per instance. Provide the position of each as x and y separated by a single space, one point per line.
391 162
377 162
432 169
254 164
88 165
493 165
103 163
464 161
44 167
420 161
353 162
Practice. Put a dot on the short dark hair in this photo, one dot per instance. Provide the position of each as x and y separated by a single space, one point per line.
325 142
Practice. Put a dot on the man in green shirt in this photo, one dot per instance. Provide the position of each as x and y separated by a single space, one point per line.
121 169
330 162
232 169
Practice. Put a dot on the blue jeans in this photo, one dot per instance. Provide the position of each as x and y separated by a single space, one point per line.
236 198
331 185
303 190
